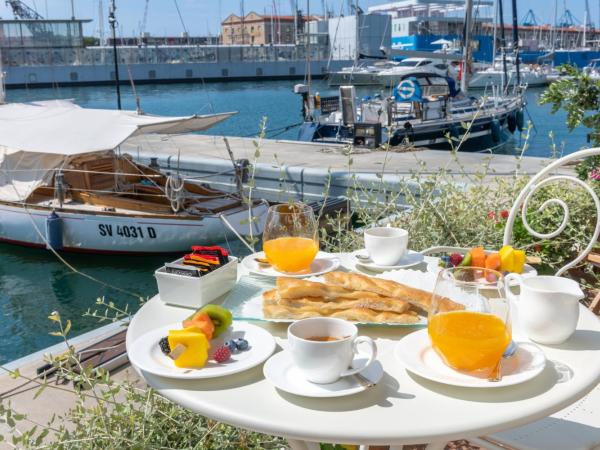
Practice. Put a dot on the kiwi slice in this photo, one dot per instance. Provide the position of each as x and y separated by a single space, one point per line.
221 317
467 260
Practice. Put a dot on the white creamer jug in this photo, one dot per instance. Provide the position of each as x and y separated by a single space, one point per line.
548 307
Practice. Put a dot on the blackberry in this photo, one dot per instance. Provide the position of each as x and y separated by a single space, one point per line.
164 345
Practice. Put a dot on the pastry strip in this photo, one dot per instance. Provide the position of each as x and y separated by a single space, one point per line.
415 297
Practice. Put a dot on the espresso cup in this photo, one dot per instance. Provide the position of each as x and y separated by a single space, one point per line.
386 245
326 361
548 307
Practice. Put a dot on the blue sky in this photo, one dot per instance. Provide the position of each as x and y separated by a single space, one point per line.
202 16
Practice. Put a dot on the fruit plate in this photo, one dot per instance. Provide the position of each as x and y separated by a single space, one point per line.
245 300
146 355
528 272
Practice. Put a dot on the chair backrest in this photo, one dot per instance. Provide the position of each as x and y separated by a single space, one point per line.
545 177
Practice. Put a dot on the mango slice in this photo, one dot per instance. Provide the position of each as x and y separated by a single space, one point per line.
195 354
518 261
507 257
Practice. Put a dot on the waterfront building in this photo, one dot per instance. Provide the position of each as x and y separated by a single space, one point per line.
39 52
417 24
256 29
372 33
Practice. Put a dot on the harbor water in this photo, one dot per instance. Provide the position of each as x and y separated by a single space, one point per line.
33 283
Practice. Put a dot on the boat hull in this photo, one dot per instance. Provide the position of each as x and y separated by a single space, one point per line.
430 134
122 234
355 79
485 79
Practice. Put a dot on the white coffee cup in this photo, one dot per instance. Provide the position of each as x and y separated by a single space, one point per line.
325 362
548 307
386 245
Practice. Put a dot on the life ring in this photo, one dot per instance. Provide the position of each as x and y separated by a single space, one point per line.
406 89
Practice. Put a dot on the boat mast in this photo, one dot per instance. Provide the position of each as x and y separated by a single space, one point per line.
515 22
2 92
584 37
307 32
553 34
494 49
356 34
464 81
503 45
113 24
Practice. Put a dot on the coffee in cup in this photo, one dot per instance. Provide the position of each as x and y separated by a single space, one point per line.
324 348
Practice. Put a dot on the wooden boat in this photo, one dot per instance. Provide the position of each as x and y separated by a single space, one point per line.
74 192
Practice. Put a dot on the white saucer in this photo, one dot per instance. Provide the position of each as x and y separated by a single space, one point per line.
280 371
146 355
410 259
416 354
323 263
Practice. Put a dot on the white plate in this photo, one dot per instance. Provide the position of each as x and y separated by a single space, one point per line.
323 263
146 355
280 371
410 259
250 306
416 354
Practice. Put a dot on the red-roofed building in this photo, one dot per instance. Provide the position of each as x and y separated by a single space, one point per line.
256 29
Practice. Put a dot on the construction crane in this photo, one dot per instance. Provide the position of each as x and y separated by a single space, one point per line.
530 19
143 23
22 11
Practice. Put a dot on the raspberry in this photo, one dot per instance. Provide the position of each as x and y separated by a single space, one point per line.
456 259
222 354
504 214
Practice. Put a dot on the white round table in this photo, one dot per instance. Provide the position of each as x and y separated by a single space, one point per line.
402 409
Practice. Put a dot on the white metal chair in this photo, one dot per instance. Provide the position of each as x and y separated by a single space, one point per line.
576 427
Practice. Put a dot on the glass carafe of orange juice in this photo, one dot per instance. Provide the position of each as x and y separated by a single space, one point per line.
474 339
290 238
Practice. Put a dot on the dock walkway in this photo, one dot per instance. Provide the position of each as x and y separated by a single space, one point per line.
303 168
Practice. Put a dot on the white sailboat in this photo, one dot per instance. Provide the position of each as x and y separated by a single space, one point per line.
65 184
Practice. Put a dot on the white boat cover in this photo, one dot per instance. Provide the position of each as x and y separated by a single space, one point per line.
37 138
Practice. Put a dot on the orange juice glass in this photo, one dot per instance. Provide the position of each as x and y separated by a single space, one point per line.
470 340
290 237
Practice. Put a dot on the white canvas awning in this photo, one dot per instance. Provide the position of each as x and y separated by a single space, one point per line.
36 138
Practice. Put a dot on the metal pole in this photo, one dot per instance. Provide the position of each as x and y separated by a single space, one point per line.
307 32
72 10
503 44
2 91
464 81
495 38
515 23
113 24
357 34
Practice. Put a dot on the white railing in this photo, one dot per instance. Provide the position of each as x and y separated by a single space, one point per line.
544 178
